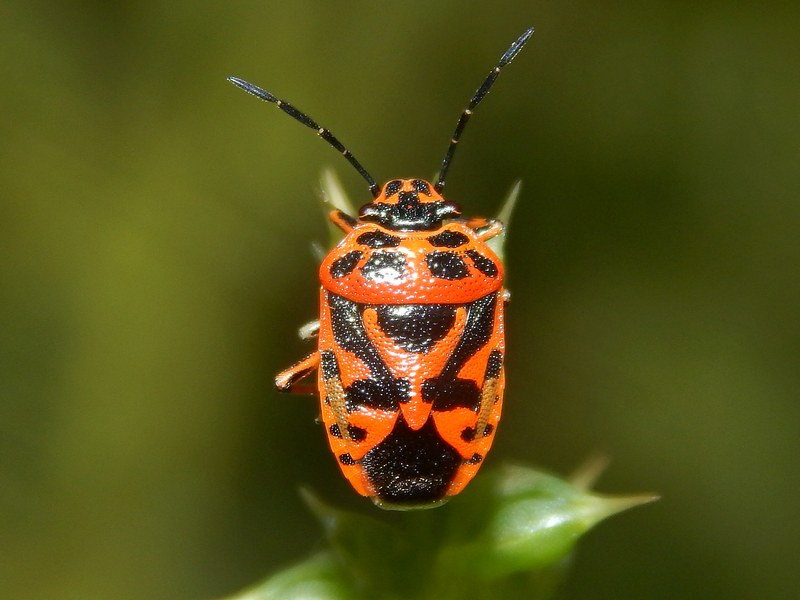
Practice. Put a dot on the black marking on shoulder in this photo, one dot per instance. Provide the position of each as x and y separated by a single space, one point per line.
394 186
344 265
483 264
378 239
447 265
411 467
384 267
477 332
346 459
416 327
336 432
381 390
422 187
448 239
350 334
447 390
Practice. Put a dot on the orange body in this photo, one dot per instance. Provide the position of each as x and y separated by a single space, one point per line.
411 344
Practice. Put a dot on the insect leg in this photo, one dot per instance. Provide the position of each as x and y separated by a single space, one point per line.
342 220
490 230
286 381
309 331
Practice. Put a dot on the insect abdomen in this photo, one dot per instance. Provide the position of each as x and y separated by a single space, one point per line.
408 382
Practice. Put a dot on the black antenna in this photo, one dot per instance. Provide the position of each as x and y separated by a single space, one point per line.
325 134
479 95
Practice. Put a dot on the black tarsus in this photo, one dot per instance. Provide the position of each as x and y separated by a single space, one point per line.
507 57
325 134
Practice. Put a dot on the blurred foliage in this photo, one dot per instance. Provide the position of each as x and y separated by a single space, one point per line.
155 267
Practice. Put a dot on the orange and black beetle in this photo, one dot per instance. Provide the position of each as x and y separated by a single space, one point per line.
411 342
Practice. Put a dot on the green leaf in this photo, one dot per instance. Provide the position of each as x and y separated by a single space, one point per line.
318 578
497 243
334 198
368 548
508 535
516 519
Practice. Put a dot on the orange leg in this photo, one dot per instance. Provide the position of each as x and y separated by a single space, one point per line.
309 331
286 381
490 230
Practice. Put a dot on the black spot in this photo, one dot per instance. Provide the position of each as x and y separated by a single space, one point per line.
468 435
384 393
378 239
346 459
411 467
422 187
448 239
475 459
329 366
446 394
447 265
384 267
357 434
393 187
409 199
416 327
483 264
345 265
494 364
382 390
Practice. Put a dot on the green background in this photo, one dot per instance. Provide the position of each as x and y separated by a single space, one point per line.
155 225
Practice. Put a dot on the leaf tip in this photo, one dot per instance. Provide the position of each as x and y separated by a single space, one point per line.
587 474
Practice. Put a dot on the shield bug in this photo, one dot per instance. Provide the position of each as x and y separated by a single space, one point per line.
410 337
